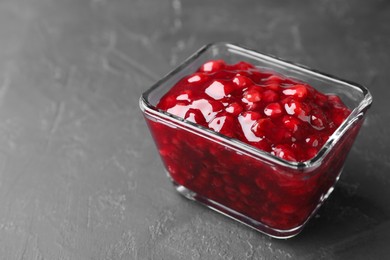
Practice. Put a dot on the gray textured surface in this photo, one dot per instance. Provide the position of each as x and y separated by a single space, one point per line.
79 174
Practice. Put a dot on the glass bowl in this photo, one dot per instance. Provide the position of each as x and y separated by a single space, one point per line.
272 195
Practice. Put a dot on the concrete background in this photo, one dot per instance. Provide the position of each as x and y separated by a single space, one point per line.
80 177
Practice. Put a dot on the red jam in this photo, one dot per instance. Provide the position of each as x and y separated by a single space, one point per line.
279 115
284 117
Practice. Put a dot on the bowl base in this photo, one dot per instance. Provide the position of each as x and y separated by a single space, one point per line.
258 226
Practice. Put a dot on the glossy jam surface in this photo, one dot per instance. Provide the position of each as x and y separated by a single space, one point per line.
284 117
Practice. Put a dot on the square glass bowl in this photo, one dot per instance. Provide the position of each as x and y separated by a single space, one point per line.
272 195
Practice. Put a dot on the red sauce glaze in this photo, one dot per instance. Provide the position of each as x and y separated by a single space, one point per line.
279 115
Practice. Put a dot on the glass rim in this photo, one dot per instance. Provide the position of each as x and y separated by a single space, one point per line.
356 114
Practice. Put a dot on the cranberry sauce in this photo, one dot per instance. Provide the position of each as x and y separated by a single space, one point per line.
286 118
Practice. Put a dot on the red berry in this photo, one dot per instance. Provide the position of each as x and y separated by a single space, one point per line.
291 123
234 108
223 124
185 95
197 78
273 82
339 115
314 141
273 110
242 81
217 182
270 95
253 94
335 101
320 99
284 152
251 115
261 183
311 152
280 135
219 89
228 179
263 145
195 116
253 106
223 75
244 189
255 75
247 120
318 119
298 109
298 91
242 65
263 127
287 209
212 66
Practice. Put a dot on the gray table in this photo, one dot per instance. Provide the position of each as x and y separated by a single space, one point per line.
80 177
